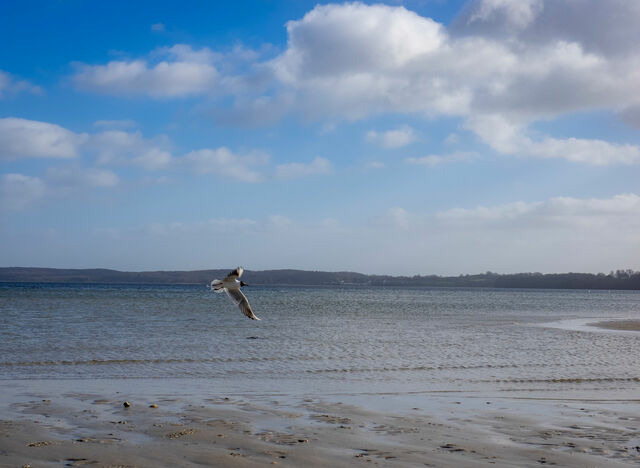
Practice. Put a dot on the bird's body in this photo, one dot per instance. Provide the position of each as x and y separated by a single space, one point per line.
231 286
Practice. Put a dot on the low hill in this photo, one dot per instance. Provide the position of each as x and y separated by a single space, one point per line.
622 279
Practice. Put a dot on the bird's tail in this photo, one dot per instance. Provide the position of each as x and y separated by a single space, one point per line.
216 286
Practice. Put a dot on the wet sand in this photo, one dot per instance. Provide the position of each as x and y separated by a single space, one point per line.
78 429
625 325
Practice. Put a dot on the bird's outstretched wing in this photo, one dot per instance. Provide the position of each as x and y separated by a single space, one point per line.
241 301
234 275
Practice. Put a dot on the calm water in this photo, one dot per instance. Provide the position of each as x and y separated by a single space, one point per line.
352 339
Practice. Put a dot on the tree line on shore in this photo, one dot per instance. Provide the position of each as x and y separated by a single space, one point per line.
620 279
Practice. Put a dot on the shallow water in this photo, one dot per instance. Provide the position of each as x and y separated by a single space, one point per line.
322 339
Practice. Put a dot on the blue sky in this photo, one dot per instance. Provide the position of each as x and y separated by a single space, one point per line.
417 137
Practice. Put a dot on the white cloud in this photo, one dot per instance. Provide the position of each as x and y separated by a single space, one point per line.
72 178
352 38
620 211
343 61
114 124
540 21
519 60
452 139
119 147
10 85
523 60
184 72
434 160
631 115
21 138
397 138
361 71
18 191
514 14
319 166
152 159
509 137
183 53
225 163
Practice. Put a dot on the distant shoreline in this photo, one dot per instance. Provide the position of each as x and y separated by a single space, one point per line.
620 280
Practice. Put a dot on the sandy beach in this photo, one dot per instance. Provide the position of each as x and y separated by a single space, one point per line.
623 325
41 429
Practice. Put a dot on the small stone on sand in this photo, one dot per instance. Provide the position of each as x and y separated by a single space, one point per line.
153 405
126 404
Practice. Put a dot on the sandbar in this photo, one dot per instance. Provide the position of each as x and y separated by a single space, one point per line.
625 325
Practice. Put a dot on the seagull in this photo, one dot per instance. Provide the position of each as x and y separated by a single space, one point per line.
231 286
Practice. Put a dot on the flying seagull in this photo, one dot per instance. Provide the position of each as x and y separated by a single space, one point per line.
231 286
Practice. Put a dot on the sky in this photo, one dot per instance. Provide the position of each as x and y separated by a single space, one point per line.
403 137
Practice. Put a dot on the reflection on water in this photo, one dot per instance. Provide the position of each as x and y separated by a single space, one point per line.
356 338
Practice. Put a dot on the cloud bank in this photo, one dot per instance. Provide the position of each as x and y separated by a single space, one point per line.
518 61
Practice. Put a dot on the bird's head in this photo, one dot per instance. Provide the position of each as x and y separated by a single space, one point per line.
242 283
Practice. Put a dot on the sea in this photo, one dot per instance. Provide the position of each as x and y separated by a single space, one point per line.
320 340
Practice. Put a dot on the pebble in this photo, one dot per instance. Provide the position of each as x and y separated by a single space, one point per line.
153 405
126 404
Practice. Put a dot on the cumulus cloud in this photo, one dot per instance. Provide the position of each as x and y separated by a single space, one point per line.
21 138
10 85
18 191
319 166
605 27
344 61
396 138
376 37
520 60
631 115
225 163
511 14
361 71
179 71
26 138
523 59
509 137
120 147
